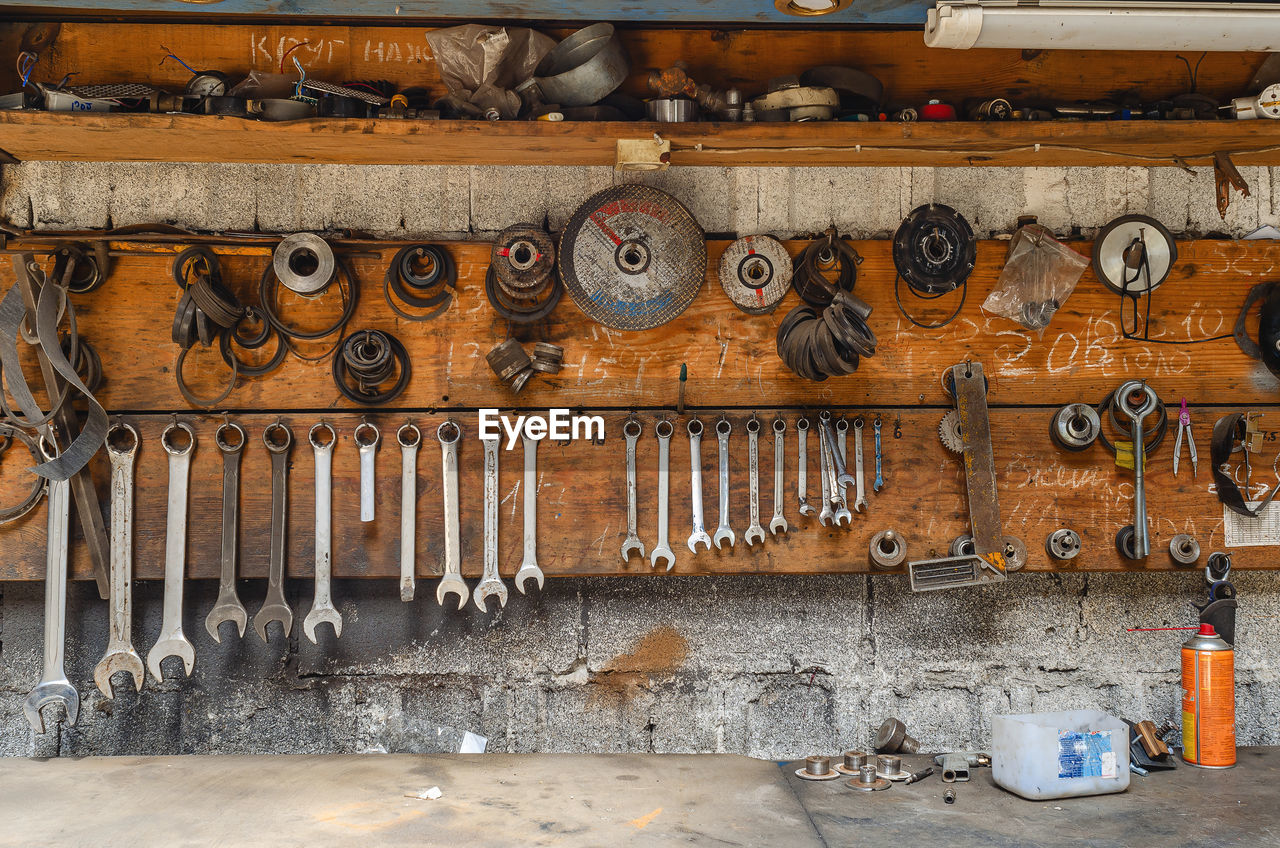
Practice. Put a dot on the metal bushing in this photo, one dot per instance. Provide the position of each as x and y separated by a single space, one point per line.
887 550
817 768
868 781
851 762
892 738
889 766
1184 549
304 264
508 359
1062 544
962 546
1075 427
547 358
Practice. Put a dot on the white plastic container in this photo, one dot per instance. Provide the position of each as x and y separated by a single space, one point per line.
1060 755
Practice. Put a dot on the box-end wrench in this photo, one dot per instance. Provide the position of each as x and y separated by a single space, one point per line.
230 439
322 609
631 432
755 533
53 685
367 437
802 470
278 439
491 581
173 642
1126 396
724 533
879 484
826 515
529 565
410 439
860 502
835 474
699 534
842 453
778 524
122 449
662 551
451 583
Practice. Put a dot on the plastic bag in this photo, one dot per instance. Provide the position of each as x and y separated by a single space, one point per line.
471 56
1038 277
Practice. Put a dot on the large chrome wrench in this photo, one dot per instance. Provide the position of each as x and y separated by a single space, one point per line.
827 515
228 606
755 533
122 449
367 437
802 471
173 642
490 581
322 609
451 583
724 533
53 685
631 432
835 472
842 455
529 565
699 534
1124 399
278 439
410 439
860 502
779 523
662 550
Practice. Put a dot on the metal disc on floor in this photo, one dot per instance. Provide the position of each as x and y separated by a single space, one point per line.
755 272
632 257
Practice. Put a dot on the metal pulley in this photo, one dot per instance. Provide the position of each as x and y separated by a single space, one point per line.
1133 255
934 250
632 257
755 272
303 263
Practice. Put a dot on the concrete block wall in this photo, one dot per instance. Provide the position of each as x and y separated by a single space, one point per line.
770 667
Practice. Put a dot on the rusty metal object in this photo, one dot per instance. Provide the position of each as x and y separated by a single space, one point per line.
817 768
892 738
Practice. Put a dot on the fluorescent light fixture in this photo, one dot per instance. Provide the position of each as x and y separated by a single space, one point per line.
1084 25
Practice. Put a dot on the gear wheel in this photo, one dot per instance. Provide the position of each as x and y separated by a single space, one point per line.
949 432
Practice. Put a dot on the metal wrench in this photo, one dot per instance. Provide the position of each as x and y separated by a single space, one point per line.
842 451
1124 399
699 534
490 582
451 583
173 642
879 484
755 533
228 606
662 551
802 472
529 565
322 608
278 438
53 685
631 431
860 502
835 473
410 439
368 446
827 514
778 524
724 533
120 655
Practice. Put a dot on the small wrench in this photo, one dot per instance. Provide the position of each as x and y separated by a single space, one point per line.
842 451
662 551
490 582
755 533
451 583
54 685
802 472
529 565
724 533
827 515
778 524
228 606
278 438
860 502
835 473
367 437
879 484
631 431
410 439
172 641
322 608
120 655
699 534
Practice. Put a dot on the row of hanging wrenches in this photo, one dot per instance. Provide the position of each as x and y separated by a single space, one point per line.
833 474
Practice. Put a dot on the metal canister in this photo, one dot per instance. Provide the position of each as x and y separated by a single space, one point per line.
1208 700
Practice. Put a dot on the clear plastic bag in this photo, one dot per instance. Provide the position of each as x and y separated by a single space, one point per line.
471 56
1038 277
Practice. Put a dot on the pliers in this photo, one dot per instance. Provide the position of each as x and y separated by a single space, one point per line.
1184 425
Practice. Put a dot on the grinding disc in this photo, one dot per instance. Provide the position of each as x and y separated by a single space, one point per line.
632 257
755 271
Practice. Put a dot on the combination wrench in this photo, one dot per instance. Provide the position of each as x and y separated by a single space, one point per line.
1124 399
122 449
827 515
367 437
778 524
724 533
842 451
322 608
699 534
879 484
631 432
836 473
802 471
662 551
529 565
490 582
451 583
173 642
54 685
860 502
755 533
228 606
278 439
410 439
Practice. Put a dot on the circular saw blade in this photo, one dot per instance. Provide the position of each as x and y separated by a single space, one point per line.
632 257
755 272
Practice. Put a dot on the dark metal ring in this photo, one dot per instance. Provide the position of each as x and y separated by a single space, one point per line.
340 376
348 285
13 513
191 398
245 369
513 312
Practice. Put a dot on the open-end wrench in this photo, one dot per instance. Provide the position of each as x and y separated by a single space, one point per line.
699 534
827 515
410 439
490 582
879 484
778 524
529 565
54 685
230 439
122 449
173 642
802 470
724 533
451 583
1125 399
662 550
631 432
755 533
367 437
835 473
278 438
842 452
322 608
860 502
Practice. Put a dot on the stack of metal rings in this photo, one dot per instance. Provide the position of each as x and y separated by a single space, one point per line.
422 276
827 344
521 282
512 365
366 361
547 358
207 306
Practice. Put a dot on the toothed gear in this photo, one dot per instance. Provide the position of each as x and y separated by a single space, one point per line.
949 432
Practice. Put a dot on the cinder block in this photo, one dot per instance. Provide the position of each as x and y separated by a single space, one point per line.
1116 602
786 716
990 198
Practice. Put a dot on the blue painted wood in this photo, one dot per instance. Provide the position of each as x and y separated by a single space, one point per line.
878 12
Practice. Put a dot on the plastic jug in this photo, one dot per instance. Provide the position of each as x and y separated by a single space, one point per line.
1060 755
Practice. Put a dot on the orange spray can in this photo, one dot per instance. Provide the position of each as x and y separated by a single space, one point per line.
1208 700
